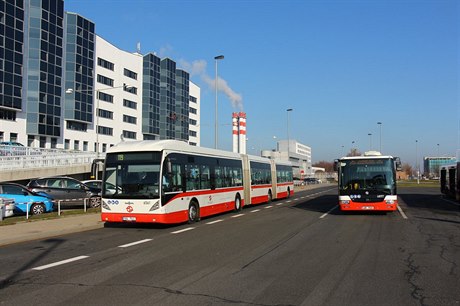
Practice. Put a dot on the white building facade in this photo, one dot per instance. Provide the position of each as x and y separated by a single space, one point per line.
296 153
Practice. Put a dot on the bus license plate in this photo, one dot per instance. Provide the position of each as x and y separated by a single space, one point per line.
367 207
129 219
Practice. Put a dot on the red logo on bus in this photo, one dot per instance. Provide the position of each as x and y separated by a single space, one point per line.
129 208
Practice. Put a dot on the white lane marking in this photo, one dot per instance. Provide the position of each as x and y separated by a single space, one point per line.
62 262
268 206
183 230
255 210
401 212
217 221
324 215
288 201
236 216
134 243
278 204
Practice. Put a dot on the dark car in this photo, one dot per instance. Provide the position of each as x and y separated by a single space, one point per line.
24 199
67 190
312 180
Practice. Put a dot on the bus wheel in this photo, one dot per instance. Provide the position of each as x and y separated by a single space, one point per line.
238 203
270 197
193 212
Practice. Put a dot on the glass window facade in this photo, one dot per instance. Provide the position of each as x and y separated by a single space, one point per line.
150 97
11 57
44 66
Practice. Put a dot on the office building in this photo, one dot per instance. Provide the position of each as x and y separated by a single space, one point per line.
63 86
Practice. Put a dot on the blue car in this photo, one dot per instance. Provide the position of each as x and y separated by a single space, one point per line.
38 202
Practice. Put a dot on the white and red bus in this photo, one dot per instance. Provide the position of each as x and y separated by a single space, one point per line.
169 181
368 182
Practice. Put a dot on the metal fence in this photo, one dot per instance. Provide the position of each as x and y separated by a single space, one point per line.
31 158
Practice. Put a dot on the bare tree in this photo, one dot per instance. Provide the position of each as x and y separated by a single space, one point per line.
354 152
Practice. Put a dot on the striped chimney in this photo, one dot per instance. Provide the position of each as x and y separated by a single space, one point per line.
235 132
242 132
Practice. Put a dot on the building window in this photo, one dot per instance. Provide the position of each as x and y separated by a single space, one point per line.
106 64
85 146
104 80
103 130
76 126
53 143
193 99
129 134
192 122
76 145
67 144
105 97
132 90
130 74
129 104
192 110
7 115
129 119
193 133
104 113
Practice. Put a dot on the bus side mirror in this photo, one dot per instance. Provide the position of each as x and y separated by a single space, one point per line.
168 167
398 164
336 165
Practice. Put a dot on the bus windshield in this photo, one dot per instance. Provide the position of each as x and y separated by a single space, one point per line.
134 175
367 174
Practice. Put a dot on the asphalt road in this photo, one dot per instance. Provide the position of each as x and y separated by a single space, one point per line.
301 251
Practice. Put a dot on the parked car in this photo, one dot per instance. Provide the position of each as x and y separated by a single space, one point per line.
68 190
38 202
8 207
8 148
312 180
110 188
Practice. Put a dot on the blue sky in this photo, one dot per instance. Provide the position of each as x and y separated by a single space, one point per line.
342 66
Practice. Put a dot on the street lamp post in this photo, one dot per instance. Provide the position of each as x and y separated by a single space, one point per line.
71 91
216 58
370 141
289 140
380 129
416 162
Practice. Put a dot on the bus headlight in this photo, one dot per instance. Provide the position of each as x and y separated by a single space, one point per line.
390 201
345 202
105 206
155 206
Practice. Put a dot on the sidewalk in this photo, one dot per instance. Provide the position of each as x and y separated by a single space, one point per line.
26 231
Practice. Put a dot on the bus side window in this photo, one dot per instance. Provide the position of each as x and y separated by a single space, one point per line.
192 177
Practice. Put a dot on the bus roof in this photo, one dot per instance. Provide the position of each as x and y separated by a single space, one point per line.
367 157
180 146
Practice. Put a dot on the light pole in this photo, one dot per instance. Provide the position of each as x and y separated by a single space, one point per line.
71 91
289 140
416 161
370 141
216 58
380 128
438 150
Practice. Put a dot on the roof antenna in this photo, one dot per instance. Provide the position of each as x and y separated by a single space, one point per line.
139 47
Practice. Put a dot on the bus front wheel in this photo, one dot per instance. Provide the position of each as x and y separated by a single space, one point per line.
238 203
193 212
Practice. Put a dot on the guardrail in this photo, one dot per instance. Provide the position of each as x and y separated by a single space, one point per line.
46 158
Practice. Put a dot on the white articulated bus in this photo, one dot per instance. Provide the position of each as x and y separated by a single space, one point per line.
169 181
